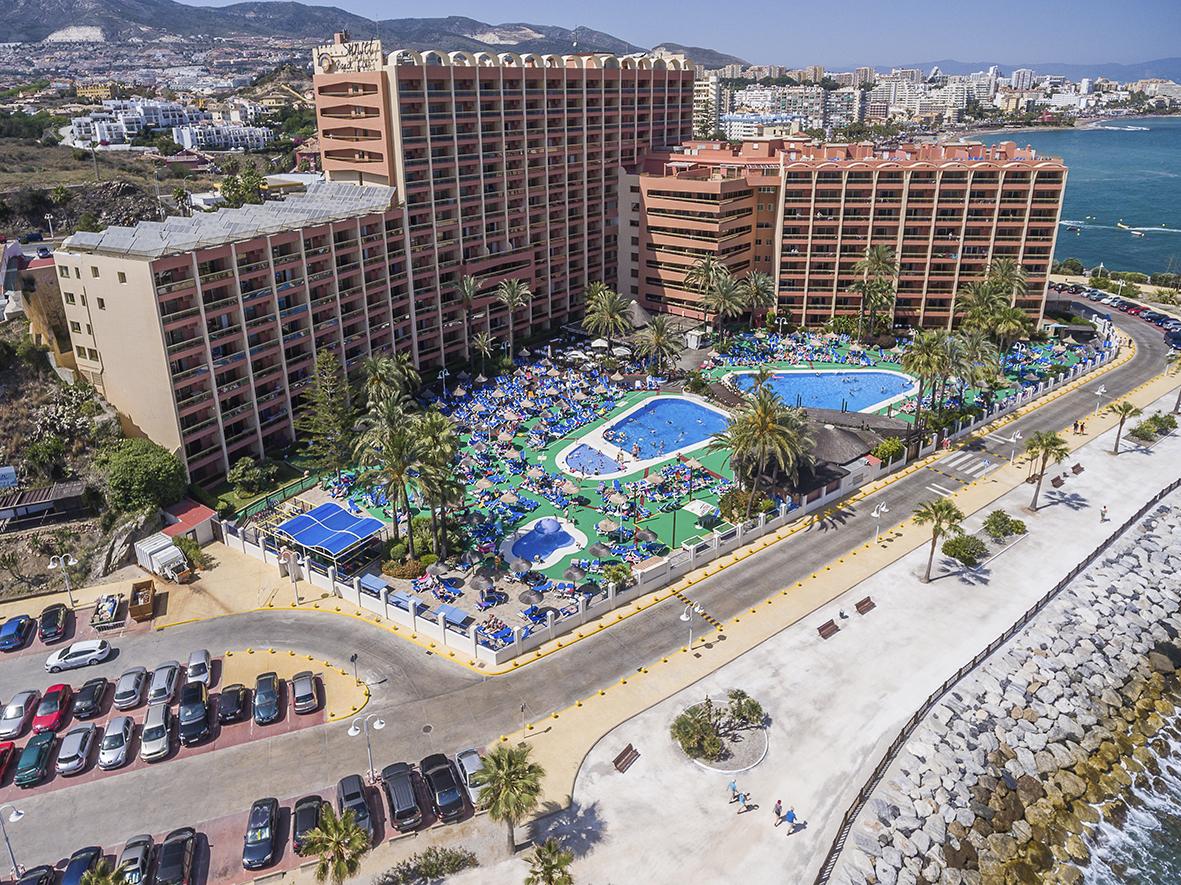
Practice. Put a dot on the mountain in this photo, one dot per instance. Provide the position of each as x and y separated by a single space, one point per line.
30 21
1166 68
709 58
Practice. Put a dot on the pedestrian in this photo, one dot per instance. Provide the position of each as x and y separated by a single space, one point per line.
1075 428
733 788
747 805
778 809
790 820
1103 513
1082 427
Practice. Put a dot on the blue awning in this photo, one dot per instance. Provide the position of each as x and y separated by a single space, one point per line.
453 615
373 585
330 529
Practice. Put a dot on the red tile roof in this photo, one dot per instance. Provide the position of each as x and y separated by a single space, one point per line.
189 514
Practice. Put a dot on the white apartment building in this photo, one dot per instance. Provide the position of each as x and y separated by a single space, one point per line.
120 120
222 137
1021 79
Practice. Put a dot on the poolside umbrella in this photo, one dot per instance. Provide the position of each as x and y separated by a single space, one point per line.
570 487
524 352
621 351
547 362
498 394
606 526
1030 376
484 483
459 392
474 517
693 464
553 373
519 566
645 535
480 379
617 377
480 447
530 597
579 396
518 453
599 344
504 436
574 573
598 549
436 568
509 498
480 583
617 499
535 473
590 588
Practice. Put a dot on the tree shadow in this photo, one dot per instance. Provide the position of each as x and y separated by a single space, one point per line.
1071 500
828 520
578 827
972 576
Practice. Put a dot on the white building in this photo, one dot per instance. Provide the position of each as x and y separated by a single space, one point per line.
121 120
1021 79
222 137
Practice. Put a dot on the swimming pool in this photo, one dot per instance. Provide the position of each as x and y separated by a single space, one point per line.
862 390
664 425
544 541
584 459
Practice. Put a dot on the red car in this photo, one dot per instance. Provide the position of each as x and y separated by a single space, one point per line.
7 754
52 710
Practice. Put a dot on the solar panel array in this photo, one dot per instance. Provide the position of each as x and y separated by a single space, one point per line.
323 202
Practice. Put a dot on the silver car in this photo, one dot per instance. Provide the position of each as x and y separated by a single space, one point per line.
200 668
135 859
129 690
303 691
18 712
112 751
164 679
74 752
156 740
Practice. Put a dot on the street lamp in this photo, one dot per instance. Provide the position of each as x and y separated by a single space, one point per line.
1013 455
354 730
877 515
294 563
691 609
14 814
65 562
1099 394
443 373
49 218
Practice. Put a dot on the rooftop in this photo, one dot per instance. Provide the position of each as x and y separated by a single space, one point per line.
320 204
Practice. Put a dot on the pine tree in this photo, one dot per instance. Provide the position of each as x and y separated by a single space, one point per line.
326 420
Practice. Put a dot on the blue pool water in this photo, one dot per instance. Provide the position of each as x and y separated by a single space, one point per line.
588 461
856 391
663 425
546 537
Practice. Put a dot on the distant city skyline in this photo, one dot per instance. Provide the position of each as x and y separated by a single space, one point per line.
851 33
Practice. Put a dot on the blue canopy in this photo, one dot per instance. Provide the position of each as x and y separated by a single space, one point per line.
453 615
373 584
330 529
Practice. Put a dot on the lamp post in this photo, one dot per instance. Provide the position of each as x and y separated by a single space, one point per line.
443 373
877 515
354 730
1014 439
1099 394
294 562
14 814
49 220
64 562
353 661
691 609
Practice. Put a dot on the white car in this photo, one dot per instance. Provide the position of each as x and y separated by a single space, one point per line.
129 690
163 685
80 654
200 667
18 712
74 752
112 751
470 763
155 741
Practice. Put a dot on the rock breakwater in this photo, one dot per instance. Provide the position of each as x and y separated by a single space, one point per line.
1007 777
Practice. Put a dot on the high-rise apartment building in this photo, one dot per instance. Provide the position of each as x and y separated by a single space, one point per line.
707 106
805 214
1021 79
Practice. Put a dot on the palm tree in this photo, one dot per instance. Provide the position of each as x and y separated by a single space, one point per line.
510 786
979 360
865 290
758 293
550 864
338 844
877 267
390 451
1048 448
102 873
658 341
469 288
1174 369
921 359
978 303
1122 410
440 442
1009 324
881 300
514 295
944 517
1007 276
725 300
606 312
484 344
181 197
703 276
951 358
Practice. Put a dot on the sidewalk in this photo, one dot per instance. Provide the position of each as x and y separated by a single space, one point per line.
837 702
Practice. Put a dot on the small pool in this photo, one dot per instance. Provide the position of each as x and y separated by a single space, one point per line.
591 462
855 391
543 540
664 425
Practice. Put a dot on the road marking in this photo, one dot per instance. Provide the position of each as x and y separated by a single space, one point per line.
940 490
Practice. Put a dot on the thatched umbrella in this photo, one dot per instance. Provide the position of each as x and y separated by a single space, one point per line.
524 351
504 436
509 497
480 583
617 377
599 550
519 566
570 487
479 408
474 517
553 373
498 394
617 499
459 392
606 526
645 535
436 568
574 573
579 396
484 483
480 379
530 597
535 473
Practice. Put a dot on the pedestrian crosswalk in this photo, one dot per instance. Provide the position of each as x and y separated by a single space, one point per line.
941 491
969 463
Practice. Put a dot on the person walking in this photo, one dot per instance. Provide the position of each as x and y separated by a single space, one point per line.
1103 513
734 794
747 805
790 819
778 810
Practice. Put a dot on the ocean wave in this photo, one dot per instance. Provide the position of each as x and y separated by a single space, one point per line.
1088 225
1123 128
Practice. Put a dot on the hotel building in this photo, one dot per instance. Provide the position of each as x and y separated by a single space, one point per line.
805 214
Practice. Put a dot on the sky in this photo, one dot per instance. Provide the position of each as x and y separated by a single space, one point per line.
844 33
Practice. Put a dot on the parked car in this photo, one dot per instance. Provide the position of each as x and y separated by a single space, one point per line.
306 698
88 702
81 861
258 845
74 753
174 865
200 668
470 763
113 749
15 632
446 795
33 765
129 690
305 817
350 796
268 689
7 754
163 684
193 714
43 252
233 703
135 860
397 782
54 620
42 875
54 706
155 741
79 654
17 713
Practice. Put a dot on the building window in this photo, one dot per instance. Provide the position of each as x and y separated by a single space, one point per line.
83 297
81 351
69 296
63 272
122 277
75 327
77 273
93 353
94 271
102 304
89 331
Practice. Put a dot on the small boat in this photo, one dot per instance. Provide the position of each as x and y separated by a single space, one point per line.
1074 227
1136 233
1120 224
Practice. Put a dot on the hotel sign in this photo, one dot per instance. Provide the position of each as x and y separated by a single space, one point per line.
349 58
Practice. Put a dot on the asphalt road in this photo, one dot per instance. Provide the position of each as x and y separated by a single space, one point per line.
429 705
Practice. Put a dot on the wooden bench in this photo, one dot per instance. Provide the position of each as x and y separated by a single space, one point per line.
828 629
1057 482
1077 469
865 605
625 759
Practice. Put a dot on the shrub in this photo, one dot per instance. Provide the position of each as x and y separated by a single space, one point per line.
427 866
249 477
999 525
140 473
44 455
695 382
697 734
1144 431
889 449
192 551
619 572
397 551
967 549
733 504
428 559
1162 422
411 568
